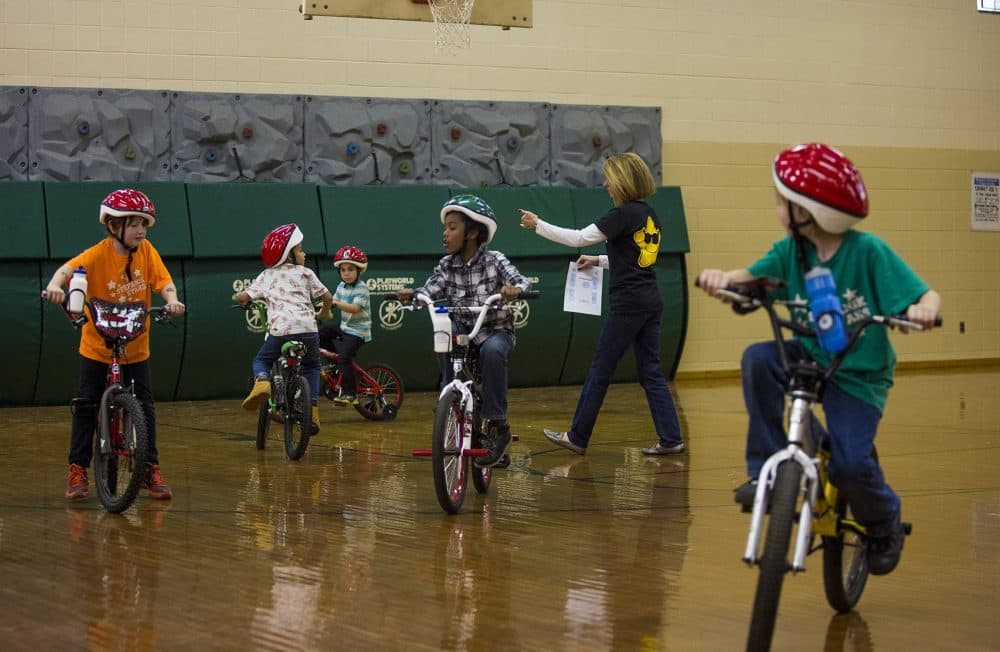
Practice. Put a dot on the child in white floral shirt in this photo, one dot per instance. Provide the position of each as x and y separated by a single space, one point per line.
289 288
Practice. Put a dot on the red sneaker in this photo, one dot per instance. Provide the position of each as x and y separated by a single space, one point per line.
76 482
157 486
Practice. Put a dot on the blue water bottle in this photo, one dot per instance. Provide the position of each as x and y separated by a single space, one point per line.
827 313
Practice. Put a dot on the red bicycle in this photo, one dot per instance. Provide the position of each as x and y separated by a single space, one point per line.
121 448
380 389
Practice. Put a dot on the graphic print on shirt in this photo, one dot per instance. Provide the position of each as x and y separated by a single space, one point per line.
648 239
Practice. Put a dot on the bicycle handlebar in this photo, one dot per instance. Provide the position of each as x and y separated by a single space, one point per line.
491 303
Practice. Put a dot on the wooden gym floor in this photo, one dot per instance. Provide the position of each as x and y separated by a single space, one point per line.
348 549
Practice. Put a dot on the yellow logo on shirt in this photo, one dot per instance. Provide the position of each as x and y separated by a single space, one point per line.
648 239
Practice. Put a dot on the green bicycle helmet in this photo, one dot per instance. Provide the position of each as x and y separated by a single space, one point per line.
475 208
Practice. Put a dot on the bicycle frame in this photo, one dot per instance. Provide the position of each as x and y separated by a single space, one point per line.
806 384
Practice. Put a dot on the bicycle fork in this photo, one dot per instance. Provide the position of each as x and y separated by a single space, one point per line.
468 406
798 436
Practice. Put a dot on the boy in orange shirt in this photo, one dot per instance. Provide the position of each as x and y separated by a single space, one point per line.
124 267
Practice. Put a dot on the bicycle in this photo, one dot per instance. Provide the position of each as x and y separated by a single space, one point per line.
458 434
290 402
121 450
380 389
794 483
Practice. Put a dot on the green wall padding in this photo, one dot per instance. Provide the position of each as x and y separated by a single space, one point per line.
20 287
22 219
551 204
210 236
72 211
383 220
230 220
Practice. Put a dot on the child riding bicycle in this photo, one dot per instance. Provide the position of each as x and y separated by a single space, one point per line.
466 277
353 300
289 289
820 197
124 267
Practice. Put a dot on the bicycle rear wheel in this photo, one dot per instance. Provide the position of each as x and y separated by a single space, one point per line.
298 417
121 450
263 424
845 564
774 562
380 401
451 468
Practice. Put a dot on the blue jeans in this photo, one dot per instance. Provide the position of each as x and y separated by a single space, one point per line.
850 422
494 359
270 351
641 331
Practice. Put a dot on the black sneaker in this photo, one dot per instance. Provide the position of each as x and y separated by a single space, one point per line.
744 494
496 438
884 552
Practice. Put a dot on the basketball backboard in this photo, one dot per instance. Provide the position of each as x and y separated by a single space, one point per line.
504 13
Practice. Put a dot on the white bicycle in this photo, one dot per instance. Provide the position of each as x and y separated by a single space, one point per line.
458 433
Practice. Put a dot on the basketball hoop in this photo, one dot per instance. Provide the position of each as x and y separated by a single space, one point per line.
451 24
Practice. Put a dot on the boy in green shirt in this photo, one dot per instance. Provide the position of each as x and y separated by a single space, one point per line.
820 197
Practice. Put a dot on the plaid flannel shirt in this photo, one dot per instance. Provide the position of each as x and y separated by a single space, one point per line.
469 284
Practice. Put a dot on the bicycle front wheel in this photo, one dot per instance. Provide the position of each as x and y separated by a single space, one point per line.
845 564
121 450
774 562
380 398
451 468
298 417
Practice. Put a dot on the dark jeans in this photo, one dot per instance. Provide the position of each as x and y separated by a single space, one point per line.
270 351
93 379
850 422
641 331
494 362
332 337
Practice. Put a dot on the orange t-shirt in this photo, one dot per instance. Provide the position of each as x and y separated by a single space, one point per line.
106 280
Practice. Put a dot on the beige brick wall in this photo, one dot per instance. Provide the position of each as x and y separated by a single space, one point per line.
909 89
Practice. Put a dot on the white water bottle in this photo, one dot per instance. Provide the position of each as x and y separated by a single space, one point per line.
441 323
77 290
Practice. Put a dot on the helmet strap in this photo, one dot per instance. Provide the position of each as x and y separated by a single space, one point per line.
801 252
120 237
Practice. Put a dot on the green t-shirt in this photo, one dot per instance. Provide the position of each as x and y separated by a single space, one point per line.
871 280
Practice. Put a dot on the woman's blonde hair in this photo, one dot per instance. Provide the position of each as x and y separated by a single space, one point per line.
629 178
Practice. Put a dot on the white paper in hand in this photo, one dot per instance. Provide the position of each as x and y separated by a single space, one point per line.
583 290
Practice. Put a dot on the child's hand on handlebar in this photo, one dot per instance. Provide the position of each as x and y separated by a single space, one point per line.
712 280
405 296
54 294
174 308
510 292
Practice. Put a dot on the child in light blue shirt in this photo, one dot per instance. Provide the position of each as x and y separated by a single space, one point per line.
355 328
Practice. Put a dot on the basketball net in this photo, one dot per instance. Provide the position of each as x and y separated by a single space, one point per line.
451 24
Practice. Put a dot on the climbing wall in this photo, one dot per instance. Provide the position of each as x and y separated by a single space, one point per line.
583 136
490 143
13 133
95 134
358 141
59 134
218 137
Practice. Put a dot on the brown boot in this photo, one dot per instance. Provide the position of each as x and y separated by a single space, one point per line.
156 485
261 392
76 482
315 419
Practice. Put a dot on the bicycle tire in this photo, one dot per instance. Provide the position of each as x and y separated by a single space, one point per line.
298 417
450 467
481 477
120 460
263 424
845 565
383 405
774 562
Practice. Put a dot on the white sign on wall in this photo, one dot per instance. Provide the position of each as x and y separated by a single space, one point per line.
985 201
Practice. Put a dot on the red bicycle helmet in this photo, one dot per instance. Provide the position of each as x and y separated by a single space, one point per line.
278 243
127 202
825 183
353 255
